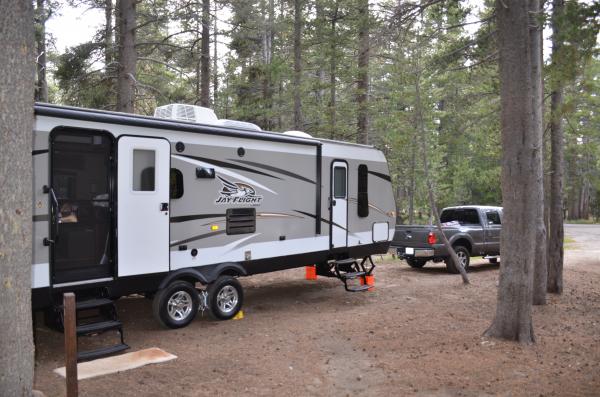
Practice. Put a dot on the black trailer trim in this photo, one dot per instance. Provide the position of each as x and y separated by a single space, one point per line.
225 164
101 116
274 169
186 218
198 237
380 175
41 151
318 189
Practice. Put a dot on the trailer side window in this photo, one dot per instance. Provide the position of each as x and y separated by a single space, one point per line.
339 182
143 170
176 183
363 191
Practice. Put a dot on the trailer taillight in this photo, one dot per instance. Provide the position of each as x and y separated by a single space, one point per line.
431 239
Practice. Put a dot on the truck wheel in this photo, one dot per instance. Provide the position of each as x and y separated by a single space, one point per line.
176 305
493 261
463 257
225 297
415 263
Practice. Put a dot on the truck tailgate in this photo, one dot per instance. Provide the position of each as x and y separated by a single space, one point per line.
414 236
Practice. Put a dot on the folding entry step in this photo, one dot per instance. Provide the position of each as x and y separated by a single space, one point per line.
349 269
95 316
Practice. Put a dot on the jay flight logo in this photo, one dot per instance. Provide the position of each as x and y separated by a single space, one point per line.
237 193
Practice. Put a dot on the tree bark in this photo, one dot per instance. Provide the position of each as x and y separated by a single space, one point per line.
521 175
332 106
540 273
215 70
108 36
298 123
362 94
556 230
127 56
17 45
205 55
41 89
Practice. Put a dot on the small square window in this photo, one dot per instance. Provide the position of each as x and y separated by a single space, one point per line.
339 182
143 170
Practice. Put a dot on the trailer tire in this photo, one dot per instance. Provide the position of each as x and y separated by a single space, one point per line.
415 263
225 297
176 305
463 255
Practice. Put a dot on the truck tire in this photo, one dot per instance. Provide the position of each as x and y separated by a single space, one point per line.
176 305
415 263
225 297
493 261
463 256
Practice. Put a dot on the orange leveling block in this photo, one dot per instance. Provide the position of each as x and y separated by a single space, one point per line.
311 272
370 280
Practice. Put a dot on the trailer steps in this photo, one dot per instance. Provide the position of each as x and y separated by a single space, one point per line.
95 316
350 269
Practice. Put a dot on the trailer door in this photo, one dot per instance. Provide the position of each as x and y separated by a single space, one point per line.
143 205
339 204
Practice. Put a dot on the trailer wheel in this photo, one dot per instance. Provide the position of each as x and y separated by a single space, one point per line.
463 257
415 263
225 297
176 305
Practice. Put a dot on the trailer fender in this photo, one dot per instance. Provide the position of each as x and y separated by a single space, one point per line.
191 275
211 273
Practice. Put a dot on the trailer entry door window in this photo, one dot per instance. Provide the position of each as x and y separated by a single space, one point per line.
363 191
339 182
143 170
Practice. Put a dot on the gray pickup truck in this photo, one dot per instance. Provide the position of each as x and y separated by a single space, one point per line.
472 230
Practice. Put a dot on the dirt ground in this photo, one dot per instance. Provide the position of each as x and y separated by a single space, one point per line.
418 333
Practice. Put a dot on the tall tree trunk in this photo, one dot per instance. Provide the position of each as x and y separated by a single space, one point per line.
320 73
412 186
215 70
298 123
205 56
333 72
362 94
521 175
108 35
540 273
556 232
41 88
127 56
17 46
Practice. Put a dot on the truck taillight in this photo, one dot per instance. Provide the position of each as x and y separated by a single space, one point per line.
431 239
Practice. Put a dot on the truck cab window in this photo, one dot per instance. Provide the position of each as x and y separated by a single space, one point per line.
464 216
493 218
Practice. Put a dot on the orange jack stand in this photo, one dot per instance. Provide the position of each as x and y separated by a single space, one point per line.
370 280
311 272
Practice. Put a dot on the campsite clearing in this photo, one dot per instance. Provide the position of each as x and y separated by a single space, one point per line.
418 333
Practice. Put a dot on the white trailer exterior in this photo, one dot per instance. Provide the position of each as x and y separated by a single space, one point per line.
131 204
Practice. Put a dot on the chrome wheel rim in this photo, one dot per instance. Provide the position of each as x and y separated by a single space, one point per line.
179 305
227 299
462 257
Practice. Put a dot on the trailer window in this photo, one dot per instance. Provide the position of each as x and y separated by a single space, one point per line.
339 182
176 183
363 191
143 170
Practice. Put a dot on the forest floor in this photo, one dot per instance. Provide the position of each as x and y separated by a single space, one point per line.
418 333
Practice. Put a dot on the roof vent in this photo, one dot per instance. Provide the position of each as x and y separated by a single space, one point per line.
300 134
182 112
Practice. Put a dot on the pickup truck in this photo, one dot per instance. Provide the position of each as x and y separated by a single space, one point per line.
472 231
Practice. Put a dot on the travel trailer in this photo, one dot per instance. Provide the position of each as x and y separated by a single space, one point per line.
161 205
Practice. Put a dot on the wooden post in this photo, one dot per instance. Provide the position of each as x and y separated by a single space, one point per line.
70 343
